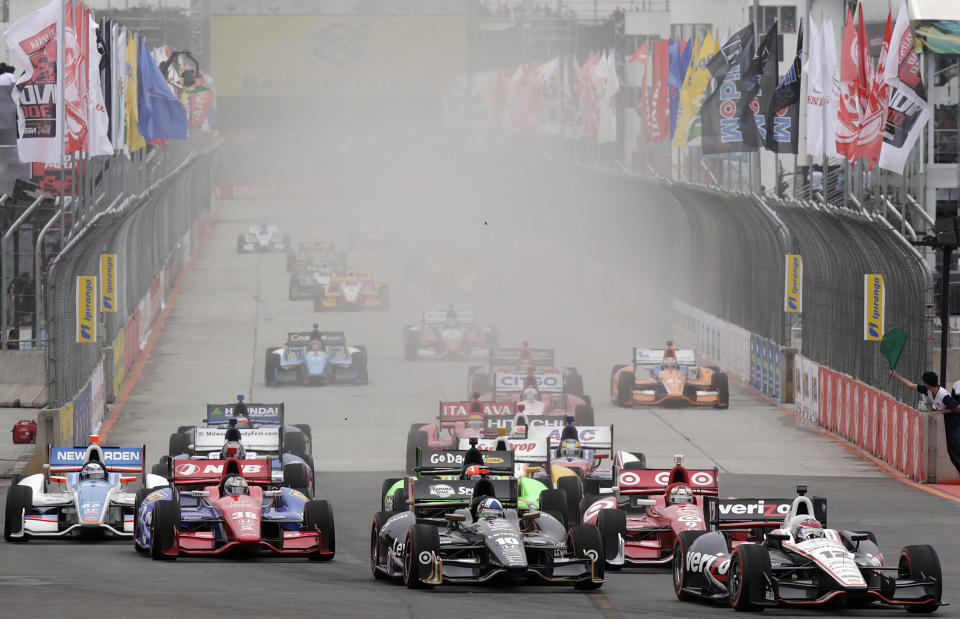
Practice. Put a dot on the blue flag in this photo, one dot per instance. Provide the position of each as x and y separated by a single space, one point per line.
161 116
679 61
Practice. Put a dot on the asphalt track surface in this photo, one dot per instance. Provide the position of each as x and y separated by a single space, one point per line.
231 308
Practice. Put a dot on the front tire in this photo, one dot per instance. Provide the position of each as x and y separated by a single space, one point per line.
584 542
295 476
721 383
921 562
613 526
318 516
749 572
625 384
680 547
19 503
573 488
377 549
163 534
554 502
423 544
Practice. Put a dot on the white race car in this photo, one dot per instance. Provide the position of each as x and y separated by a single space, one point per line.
262 238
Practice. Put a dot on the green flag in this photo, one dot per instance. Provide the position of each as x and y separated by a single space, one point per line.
892 345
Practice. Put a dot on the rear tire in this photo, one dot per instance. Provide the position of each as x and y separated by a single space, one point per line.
680 547
554 502
918 562
19 503
137 501
161 470
749 570
411 344
625 384
166 516
613 525
583 415
295 443
360 366
722 385
423 543
415 438
584 542
573 384
178 445
573 488
295 476
271 367
318 515
384 489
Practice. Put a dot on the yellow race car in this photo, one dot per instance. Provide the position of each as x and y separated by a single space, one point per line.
665 377
352 292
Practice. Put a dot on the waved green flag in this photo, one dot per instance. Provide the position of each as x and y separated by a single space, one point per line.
891 345
694 88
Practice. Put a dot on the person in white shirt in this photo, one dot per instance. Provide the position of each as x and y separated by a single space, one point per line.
6 75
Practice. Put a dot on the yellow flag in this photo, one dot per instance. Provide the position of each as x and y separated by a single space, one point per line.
694 87
135 141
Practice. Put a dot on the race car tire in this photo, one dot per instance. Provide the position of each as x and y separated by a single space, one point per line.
178 445
411 345
625 384
584 542
583 415
19 502
722 385
360 365
296 476
137 501
161 469
184 429
749 571
384 294
639 464
573 488
295 443
591 487
679 566
312 469
286 241
423 542
554 502
318 515
376 547
166 516
400 499
271 368
384 488
415 438
921 561
240 243
573 383
479 383
613 525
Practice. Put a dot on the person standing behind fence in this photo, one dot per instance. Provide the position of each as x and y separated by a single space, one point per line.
943 403
22 292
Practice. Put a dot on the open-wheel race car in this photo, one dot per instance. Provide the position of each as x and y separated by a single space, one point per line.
520 361
317 253
353 291
761 553
316 358
261 239
448 334
665 377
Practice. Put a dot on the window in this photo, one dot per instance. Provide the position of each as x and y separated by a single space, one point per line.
683 32
785 15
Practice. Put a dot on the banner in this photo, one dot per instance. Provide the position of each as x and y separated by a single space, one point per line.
852 107
908 110
871 133
86 314
728 123
161 116
680 54
793 286
873 307
134 139
938 36
108 282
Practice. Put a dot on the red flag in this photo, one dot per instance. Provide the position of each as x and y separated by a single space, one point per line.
848 114
642 103
864 75
659 129
640 55
871 132
75 93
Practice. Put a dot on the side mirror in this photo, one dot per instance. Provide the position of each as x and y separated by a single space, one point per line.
270 493
530 516
644 502
46 467
778 536
860 537
454 517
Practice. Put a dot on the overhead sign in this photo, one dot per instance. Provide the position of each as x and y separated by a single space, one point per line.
108 282
873 306
793 285
86 308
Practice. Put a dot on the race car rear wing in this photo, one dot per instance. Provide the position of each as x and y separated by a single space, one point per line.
458 492
727 514
199 472
298 338
256 413
459 411
513 382
654 356
440 316
259 440
542 357
333 338
128 460
655 481
450 462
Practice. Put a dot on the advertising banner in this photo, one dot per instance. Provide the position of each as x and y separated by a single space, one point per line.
86 314
108 282
793 286
873 307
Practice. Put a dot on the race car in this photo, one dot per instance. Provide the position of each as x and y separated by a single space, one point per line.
647 510
761 553
520 360
305 279
90 499
263 433
262 238
316 358
217 506
470 531
316 252
541 392
448 334
356 291
658 378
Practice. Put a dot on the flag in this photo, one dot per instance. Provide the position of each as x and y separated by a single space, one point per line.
640 55
823 87
75 91
764 70
642 104
850 112
892 344
728 124
98 122
697 79
135 140
161 115
680 53
783 114
32 40
908 109
659 128
608 88
871 132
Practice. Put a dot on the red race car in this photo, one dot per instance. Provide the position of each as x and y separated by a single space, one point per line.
542 393
648 509
24 432
459 420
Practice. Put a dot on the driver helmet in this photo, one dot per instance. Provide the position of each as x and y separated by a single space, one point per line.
680 495
233 449
93 470
530 394
474 471
570 448
490 508
316 345
235 485
475 422
806 529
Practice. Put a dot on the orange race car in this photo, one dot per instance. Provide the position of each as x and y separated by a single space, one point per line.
668 377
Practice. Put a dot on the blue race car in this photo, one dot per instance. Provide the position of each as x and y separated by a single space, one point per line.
215 506
91 498
317 357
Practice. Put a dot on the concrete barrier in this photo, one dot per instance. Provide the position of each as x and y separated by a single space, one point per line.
24 375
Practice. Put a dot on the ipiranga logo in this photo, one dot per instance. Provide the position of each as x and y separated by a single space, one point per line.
87 308
793 285
873 306
108 282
